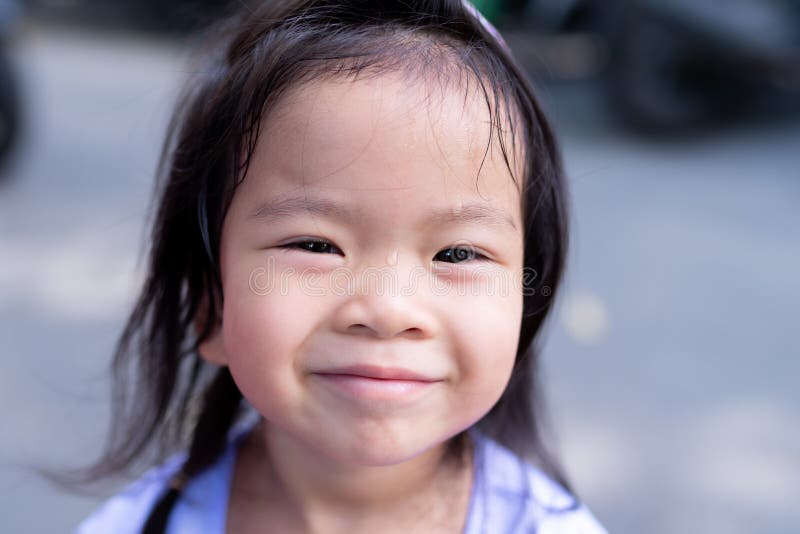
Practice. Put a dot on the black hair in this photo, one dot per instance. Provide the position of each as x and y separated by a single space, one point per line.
261 53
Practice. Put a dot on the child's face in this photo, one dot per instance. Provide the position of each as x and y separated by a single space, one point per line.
306 347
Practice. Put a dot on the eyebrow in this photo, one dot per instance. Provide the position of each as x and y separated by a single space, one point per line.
292 205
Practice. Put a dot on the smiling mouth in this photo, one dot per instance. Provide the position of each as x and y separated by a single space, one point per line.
376 372
376 383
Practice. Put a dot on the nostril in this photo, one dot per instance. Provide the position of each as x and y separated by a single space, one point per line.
413 333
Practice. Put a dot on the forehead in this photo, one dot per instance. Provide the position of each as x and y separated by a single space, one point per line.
387 141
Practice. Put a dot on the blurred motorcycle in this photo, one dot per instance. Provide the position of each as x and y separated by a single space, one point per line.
9 97
671 65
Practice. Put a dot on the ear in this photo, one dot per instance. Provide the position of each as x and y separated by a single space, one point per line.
211 349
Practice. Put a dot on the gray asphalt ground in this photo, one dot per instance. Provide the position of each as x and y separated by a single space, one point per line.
672 365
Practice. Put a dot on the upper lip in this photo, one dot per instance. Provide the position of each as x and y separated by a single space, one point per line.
378 372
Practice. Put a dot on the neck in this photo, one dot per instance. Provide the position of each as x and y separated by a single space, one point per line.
314 485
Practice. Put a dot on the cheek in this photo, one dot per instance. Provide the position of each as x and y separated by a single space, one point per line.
263 305
250 325
263 334
488 334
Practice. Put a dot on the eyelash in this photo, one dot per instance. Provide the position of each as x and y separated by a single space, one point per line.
297 245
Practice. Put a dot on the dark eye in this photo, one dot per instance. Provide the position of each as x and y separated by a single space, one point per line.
313 245
458 255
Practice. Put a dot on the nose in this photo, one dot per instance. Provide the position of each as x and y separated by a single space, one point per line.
385 310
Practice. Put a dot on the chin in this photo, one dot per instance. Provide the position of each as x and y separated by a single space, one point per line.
382 450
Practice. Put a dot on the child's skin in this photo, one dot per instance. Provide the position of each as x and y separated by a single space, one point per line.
337 453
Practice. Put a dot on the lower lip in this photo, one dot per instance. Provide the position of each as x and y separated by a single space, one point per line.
361 387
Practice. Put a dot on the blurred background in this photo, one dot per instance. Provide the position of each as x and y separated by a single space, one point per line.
673 361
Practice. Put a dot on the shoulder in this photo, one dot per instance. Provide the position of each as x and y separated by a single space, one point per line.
126 512
511 495
200 509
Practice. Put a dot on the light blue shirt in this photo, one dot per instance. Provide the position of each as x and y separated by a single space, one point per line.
508 496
